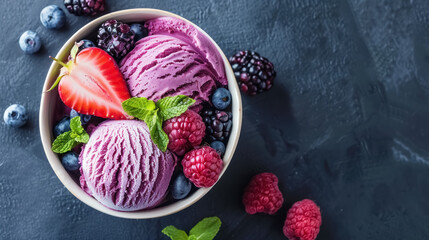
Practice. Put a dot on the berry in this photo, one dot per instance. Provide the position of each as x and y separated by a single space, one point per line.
202 166
184 132
254 74
139 30
62 126
219 147
218 124
30 42
85 44
70 161
303 221
92 84
83 118
221 98
115 38
53 17
181 187
262 194
84 7
15 115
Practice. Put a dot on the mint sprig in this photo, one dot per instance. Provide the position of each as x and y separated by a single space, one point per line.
174 233
170 106
68 140
154 114
206 229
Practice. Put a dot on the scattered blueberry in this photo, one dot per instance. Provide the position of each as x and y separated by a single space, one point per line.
84 119
62 126
15 115
219 147
139 31
52 17
30 42
221 98
181 187
70 161
86 44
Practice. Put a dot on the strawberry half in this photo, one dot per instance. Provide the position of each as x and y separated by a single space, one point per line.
92 84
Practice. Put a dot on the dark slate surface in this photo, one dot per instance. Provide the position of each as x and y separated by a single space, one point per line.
346 123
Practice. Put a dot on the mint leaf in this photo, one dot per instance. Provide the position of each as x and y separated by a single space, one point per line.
83 138
68 140
174 106
174 233
154 114
192 237
206 229
157 134
76 125
138 107
63 143
78 133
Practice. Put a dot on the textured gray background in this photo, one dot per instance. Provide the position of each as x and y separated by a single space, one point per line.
346 123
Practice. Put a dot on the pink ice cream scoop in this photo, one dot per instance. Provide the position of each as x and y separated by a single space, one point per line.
174 59
123 169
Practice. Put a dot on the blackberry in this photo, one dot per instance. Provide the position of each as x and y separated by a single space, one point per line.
218 124
254 74
84 7
115 38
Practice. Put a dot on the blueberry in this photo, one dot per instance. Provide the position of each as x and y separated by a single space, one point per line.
62 126
86 44
30 42
15 116
219 147
181 187
83 118
139 31
70 161
53 17
221 98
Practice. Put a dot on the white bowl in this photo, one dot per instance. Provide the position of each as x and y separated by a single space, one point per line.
49 100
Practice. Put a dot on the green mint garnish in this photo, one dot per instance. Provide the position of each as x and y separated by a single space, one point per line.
171 107
206 229
154 114
68 140
174 233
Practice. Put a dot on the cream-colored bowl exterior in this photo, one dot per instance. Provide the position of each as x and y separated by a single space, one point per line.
49 99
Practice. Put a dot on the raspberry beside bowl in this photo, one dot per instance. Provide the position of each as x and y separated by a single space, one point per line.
49 100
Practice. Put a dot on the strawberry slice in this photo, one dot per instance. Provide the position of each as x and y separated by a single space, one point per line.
92 84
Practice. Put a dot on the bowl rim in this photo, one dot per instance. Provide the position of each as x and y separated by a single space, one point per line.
45 121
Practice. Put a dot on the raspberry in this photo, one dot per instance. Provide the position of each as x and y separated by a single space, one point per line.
202 166
184 132
254 74
303 221
262 194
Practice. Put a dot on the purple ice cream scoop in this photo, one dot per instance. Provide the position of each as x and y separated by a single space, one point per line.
123 169
174 59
